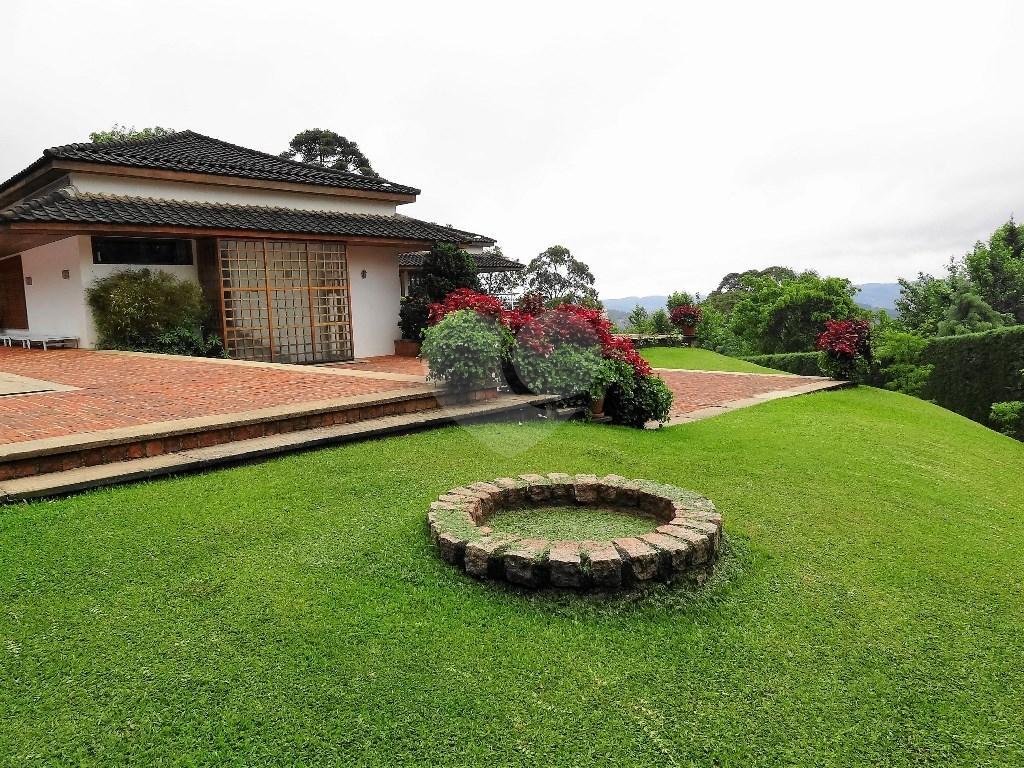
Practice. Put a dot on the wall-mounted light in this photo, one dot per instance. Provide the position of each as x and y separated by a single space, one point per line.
28 280
363 273
66 274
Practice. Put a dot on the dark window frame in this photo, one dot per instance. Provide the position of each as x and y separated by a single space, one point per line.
143 251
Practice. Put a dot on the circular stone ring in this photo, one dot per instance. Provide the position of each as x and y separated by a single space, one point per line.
685 540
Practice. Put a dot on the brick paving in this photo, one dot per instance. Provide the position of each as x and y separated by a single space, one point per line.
695 390
412 366
132 390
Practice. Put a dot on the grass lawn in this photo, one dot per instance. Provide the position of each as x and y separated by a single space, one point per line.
696 359
870 610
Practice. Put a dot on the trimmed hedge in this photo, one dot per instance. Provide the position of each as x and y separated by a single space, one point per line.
974 370
645 340
802 363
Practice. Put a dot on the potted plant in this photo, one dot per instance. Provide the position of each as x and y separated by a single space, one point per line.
685 317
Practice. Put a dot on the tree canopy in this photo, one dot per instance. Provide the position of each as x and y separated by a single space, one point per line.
786 315
124 133
732 287
319 146
982 290
561 278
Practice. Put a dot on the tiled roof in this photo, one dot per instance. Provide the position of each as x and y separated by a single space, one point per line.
69 206
485 262
192 152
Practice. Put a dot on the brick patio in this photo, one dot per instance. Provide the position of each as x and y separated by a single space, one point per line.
124 390
699 390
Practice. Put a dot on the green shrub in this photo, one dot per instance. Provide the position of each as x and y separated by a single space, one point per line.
973 371
566 370
1008 418
661 323
465 350
633 400
185 341
897 365
715 333
132 309
412 317
801 363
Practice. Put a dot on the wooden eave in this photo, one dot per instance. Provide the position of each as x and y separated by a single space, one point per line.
17 236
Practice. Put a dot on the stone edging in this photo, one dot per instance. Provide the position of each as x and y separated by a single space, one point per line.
687 543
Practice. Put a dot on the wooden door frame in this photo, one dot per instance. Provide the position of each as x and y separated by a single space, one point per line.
20 291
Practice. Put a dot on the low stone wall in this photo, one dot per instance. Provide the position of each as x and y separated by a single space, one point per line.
686 543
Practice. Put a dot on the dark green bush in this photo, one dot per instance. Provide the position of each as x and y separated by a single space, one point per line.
566 370
466 350
975 370
1008 418
186 341
412 317
801 363
633 400
132 309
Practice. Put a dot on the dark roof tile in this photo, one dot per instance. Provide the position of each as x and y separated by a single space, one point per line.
485 262
69 206
191 152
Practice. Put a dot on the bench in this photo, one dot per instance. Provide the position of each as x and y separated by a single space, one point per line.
45 340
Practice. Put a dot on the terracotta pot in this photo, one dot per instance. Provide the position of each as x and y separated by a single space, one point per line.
597 407
407 348
689 331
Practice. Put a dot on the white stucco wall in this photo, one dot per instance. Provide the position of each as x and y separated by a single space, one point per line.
56 305
211 193
375 299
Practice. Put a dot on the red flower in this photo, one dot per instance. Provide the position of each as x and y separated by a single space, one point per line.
685 315
465 298
846 339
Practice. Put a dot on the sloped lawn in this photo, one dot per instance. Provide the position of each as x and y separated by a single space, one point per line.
696 359
871 610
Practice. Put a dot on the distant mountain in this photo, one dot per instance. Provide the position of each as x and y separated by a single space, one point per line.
650 303
869 296
878 296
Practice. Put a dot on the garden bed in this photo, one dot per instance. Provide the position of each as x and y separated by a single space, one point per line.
524 530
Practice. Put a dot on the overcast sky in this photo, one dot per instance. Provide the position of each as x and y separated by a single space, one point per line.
664 143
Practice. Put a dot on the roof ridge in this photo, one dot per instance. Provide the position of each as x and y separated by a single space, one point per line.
49 152
314 166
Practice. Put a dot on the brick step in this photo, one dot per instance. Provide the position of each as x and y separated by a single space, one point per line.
28 458
63 482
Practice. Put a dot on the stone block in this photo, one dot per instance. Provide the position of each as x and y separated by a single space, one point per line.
674 554
639 559
565 565
585 489
451 547
525 562
699 542
605 564
561 486
482 557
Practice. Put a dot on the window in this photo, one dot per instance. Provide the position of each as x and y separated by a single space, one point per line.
143 251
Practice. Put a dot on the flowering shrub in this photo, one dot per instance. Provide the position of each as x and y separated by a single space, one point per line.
570 351
530 304
466 298
845 348
686 316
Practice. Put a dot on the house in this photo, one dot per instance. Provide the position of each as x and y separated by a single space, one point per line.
299 263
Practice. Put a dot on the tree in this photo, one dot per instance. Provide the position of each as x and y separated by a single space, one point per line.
506 285
124 133
923 303
638 319
317 146
660 321
445 269
787 316
732 288
561 279
679 299
996 270
969 313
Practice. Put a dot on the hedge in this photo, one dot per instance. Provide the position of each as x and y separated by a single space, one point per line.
974 370
645 340
802 363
